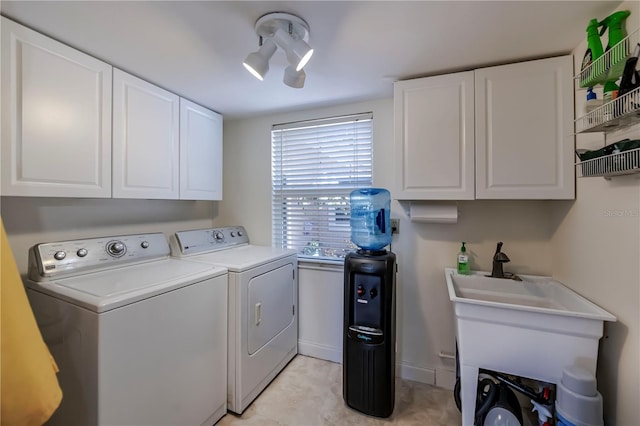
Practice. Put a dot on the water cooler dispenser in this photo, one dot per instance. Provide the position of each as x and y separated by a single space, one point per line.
369 307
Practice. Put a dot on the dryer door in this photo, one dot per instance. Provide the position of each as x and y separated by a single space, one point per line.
271 300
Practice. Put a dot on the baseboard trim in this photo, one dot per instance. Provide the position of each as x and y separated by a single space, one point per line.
445 379
416 374
315 350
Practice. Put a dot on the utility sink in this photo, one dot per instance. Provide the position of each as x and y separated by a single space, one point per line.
533 294
531 328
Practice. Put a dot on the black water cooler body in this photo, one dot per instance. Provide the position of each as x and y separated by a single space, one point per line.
369 332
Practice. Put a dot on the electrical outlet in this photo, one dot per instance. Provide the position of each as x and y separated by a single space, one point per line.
395 226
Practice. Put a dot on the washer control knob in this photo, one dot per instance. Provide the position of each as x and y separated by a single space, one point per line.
144 244
59 255
116 248
82 252
219 236
233 234
240 234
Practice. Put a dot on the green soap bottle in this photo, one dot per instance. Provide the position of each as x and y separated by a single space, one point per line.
464 267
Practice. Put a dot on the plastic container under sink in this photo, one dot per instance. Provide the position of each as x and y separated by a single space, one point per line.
578 402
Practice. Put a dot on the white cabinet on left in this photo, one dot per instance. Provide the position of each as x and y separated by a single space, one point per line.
56 118
146 139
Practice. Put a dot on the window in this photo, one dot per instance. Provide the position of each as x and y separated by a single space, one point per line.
314 167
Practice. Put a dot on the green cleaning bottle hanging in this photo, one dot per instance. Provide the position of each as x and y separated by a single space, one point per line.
616 51
463 261
590 76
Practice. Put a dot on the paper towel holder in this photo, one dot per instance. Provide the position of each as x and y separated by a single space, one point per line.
432 212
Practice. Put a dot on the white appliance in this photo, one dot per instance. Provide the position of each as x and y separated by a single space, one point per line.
263 299
139 337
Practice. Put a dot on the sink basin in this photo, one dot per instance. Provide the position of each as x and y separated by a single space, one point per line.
532 328
534 294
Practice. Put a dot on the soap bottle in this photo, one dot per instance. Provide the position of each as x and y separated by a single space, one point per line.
463 261
592 102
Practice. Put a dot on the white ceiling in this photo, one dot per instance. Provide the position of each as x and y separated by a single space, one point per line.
196 48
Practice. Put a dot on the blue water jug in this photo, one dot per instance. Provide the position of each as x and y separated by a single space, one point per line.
370 218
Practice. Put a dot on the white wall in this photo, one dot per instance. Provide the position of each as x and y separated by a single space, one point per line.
425 318
596 251
30 220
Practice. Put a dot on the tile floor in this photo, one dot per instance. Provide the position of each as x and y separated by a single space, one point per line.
308 392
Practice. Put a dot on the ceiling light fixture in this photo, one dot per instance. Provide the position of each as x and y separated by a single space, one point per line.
291 34
257 63
293 78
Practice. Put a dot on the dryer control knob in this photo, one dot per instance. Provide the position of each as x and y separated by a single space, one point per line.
82 252
144 244
59 255
233 234
240 234
219 236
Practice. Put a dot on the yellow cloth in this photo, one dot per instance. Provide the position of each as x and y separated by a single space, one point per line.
30 392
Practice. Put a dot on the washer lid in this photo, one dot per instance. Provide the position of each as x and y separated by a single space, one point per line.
244 257
103 291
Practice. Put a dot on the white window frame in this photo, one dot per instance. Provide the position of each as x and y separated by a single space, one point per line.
315 165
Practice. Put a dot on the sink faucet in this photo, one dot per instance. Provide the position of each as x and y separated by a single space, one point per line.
498 259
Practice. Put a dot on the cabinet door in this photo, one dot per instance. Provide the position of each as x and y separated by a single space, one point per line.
145 139
434 138
200 153
56 118
524 130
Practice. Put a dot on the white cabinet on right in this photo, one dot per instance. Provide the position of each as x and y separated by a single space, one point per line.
200 152
515 121
524 130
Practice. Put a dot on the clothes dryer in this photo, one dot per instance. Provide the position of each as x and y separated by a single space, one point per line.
263 304
139 337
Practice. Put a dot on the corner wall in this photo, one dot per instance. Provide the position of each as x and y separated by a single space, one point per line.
596 252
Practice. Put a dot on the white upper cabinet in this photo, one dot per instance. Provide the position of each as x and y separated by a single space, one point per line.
200 153
146 122
56 118
521 127
434 138
524 130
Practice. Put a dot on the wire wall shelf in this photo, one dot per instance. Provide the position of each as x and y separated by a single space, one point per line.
610 65
618 164
621 112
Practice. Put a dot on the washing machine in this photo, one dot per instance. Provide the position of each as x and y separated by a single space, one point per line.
263 304
140 338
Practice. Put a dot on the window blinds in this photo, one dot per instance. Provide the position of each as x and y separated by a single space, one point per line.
314 167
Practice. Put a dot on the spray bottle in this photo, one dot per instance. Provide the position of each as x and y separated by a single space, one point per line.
594 51
617 53
544 413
